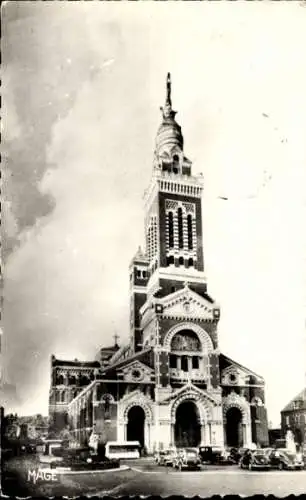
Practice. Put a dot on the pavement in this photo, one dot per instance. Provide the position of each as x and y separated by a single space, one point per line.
144 477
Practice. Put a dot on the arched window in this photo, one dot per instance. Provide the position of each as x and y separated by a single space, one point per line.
170 229
62 398
170 260
72 380
180 227
181 261
190 262
84 380
189 227
60 380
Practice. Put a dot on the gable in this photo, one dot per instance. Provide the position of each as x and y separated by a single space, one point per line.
191 390
234 374
136 371
186 303
297 403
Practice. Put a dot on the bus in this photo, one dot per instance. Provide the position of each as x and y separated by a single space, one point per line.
122 449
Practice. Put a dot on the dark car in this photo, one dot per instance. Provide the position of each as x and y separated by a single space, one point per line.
284 459
255 460
210 454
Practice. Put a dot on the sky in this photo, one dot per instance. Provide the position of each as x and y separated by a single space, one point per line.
82 86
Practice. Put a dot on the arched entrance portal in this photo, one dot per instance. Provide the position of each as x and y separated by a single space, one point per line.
187 430
135 425
234 433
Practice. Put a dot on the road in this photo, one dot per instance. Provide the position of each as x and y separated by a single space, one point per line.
145 478
207 483
153 480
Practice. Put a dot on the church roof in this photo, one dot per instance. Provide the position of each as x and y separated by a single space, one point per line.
227 360
75 362
138 355
300 399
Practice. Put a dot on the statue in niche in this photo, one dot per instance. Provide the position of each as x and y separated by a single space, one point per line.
107 398
185 342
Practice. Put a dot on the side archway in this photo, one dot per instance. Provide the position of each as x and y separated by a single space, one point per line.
235 401
147 410
237 421
137 423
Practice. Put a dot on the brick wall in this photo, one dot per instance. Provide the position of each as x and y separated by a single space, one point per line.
162 223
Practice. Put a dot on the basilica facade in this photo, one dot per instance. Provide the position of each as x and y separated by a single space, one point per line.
170 385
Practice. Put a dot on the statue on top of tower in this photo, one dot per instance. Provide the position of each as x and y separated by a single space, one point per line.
167 110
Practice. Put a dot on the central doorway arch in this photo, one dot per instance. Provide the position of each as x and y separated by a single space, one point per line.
135 425
187 429
234 435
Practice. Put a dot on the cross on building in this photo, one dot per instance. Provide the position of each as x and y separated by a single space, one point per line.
116 338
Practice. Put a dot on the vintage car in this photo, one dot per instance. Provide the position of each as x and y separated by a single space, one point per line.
215 455
187 458
210 454
284 459
165 457
256 459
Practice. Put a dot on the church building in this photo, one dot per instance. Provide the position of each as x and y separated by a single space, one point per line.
170 385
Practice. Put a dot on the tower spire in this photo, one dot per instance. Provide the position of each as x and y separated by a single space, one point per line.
168 96
167 109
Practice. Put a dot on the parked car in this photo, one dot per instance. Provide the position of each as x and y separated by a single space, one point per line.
165 457
284 459
236 454
256 459
210 454
187 458
216 455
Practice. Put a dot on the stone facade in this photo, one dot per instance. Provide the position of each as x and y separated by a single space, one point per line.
170 385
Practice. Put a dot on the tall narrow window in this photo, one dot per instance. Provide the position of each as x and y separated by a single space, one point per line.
172 361
184 364
180 227
189 226
195 362
170 229
170 260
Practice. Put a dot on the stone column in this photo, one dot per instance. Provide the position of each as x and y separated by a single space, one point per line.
203 434
207 434
179 363
173 434
189 361
147 436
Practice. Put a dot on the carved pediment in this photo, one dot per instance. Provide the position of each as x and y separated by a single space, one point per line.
136 372
190 391
187 304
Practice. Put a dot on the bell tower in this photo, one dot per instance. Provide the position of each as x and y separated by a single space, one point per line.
173 221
